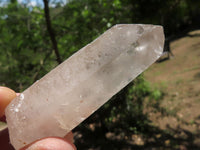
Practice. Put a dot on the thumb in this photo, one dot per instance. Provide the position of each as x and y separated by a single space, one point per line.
51 143
6 96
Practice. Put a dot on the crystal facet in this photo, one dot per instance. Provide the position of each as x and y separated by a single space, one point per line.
72 91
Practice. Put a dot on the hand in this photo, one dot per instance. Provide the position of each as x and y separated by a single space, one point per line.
50 143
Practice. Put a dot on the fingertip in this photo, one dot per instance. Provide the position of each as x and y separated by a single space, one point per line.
51 144
6 96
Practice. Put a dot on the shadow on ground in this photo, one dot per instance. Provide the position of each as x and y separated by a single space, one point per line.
155 138
90 136
197 75
94 135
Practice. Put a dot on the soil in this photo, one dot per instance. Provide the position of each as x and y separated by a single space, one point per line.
179 79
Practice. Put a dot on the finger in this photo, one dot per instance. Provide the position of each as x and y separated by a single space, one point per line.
52 143
6 96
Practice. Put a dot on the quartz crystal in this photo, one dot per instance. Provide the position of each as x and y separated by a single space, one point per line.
72 91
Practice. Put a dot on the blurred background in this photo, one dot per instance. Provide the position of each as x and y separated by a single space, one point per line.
160 110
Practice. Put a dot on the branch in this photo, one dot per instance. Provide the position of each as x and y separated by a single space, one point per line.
51 32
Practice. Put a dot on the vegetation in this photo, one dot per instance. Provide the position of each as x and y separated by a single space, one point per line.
34 39
26 48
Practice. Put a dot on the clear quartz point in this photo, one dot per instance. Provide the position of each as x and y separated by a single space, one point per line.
72 91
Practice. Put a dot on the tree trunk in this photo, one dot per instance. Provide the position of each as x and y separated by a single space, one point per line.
51 32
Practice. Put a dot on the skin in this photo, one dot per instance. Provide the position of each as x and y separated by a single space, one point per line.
6 96
49 143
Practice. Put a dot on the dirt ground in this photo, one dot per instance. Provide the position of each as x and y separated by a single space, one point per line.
179 79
